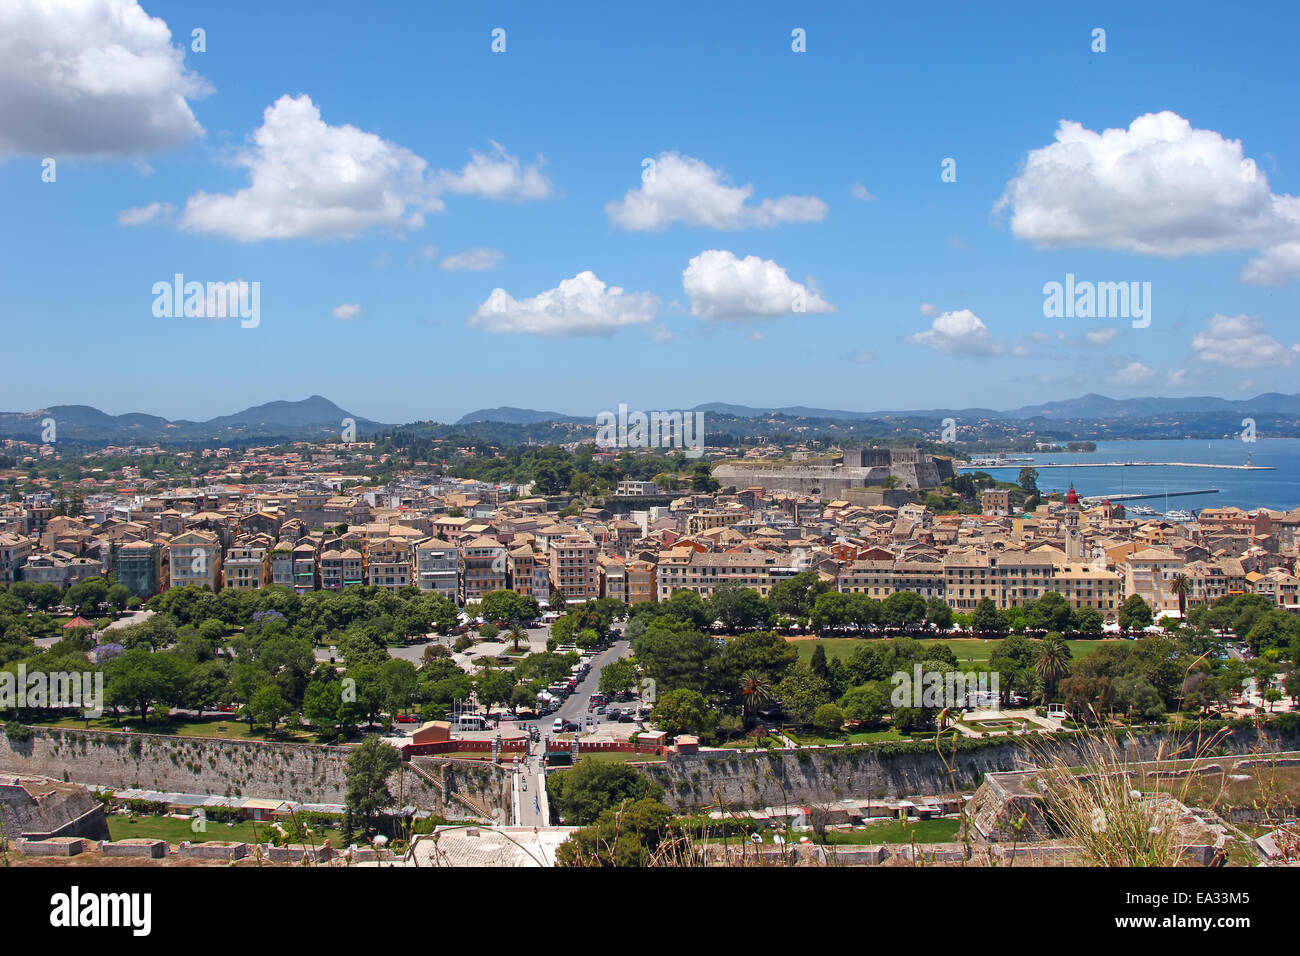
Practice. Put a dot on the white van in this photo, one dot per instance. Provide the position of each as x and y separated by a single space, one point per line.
470 722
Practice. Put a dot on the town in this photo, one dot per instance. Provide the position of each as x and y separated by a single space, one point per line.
660 610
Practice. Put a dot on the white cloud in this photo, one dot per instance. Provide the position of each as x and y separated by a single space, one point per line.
928 309
346 311
473 259
1132 374
1101 336
958 333
1241 341
1178 377
582 305
497 176
312 179
94 78
722 286
661 334
1275 266
1159 187
425 253
155 212
861 192
683 189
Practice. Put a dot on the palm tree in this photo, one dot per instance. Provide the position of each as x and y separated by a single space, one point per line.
1182 586
517 634
756 690
1053 662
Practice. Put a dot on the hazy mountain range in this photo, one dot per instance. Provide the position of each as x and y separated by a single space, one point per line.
318 417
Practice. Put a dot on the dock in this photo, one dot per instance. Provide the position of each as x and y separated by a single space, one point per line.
1140 497
1122 464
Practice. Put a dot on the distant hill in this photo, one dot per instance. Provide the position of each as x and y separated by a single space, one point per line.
1091 406
314 417
509 415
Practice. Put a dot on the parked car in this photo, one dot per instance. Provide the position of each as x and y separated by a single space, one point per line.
571 726
406 719
558 726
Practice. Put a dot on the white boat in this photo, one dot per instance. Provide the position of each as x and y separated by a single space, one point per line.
1179 515
1142 510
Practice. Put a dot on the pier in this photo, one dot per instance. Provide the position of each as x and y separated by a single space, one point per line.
1140 497
1123 464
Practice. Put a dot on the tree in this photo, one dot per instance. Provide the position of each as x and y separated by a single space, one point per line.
801 692
617 676
684 712
625 836
366 774
1182 586
755 693
267 706
1088 620
737 607
867 703
987 619
140 678
1053 661
582 794
794 596
1028 481
818 663
1134 614
494 687
827 720
1051 612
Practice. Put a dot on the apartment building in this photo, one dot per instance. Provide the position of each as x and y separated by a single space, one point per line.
1148 573
483 565
637 489
306 572
968 578
247 566
341 568
702 572
14 550
138 566
1021 577
573 567
282 564
195 558
613 578
389 564
641 581
437 568
60 569
1083 585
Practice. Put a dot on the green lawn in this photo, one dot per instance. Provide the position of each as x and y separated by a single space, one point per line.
212 726
943 830
618 756
969 650
179 831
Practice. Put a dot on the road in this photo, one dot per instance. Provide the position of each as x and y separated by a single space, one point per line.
531 806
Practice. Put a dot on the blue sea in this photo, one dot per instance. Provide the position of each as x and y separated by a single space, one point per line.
1244 489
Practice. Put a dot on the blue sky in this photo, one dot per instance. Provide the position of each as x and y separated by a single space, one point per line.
936 294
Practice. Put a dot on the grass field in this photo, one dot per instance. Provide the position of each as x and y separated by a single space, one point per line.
220 727
969 650
943 830
175 830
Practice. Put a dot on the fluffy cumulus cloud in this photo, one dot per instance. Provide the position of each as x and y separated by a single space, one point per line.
472 259
723 286
308 178
677 188
346 311
92 78
1132 375
1101 336
1160 187
155 212
582 305
1241 341
960 332
497 175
